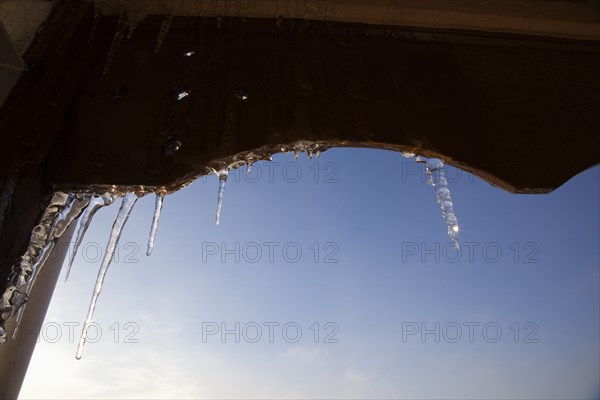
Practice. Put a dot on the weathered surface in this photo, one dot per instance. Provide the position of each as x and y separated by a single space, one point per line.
519 111
506 110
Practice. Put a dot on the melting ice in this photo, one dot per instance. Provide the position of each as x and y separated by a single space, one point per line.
157 208
436 178
222 180
95 203
65 208
127 204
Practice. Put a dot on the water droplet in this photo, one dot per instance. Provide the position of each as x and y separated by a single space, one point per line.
189 53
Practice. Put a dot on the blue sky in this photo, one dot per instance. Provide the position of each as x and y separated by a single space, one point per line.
383 273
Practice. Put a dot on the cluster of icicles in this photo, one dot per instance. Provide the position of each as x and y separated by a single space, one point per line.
65 208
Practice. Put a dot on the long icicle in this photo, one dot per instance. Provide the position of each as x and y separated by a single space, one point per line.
436 178
129 201
96 202
157 208
119 33
162 34
222 180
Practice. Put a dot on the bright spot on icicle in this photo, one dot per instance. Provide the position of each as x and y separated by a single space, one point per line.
222 180
129 201
158 203
182 94
189 53
455 228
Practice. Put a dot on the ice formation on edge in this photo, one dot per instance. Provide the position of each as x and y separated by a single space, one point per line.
66 207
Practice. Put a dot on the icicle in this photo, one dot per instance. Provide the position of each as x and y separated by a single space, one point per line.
296 154
121 28
97 15
72 209
222 180
249 166
131 25
157 207
95 203
436 178
129 201
317 154
162 34
309 152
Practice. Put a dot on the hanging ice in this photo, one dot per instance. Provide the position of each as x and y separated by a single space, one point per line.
97 15
162 34
157 207
45 239
129 201
222 180
436 178
95 203
120 32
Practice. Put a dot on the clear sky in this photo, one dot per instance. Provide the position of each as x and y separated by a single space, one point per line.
385 306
